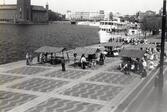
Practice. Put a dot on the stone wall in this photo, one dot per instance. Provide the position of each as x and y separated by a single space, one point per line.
24 9
7 15
39 16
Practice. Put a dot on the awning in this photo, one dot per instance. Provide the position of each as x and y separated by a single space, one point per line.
139 46
48 49
146 46
99 47
112 44
84 50
132 53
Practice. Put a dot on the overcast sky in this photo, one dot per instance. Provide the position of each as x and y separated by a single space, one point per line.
122 6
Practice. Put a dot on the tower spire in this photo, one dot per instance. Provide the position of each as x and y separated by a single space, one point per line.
47 5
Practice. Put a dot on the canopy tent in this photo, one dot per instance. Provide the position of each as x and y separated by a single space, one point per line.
139 46
48 57
99 47
113 44
48 49
84 50
132 53
146 46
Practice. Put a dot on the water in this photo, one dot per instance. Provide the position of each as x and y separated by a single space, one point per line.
16 40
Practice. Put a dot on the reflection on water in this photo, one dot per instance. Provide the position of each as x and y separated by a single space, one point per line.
15 40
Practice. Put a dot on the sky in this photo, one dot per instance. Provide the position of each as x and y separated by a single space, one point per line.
122 6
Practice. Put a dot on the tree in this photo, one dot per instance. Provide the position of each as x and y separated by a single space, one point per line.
130 18
151 24
54 16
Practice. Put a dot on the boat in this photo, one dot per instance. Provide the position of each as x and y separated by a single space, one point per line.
115 29
73 22
89 23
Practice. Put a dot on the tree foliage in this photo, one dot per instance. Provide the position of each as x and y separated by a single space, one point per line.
54 16
151 23
130 18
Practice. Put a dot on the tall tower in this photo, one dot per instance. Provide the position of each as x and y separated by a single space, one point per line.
47 6
24 10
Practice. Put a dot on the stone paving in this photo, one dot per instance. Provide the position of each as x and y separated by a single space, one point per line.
69 74
27 70
60 105
48 89
93 91
9 100
8 78
41 85
115 78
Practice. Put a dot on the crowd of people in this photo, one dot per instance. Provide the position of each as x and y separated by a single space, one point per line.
149 61
49 58
92 60
128 40
133 65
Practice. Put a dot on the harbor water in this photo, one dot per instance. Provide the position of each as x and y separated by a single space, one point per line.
16 40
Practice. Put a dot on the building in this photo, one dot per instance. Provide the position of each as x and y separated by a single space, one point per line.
23 12
85 16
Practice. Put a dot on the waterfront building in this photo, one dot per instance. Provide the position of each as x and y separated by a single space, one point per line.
23 12
85 16
114 15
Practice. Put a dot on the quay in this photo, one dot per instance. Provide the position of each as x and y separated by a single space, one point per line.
39 88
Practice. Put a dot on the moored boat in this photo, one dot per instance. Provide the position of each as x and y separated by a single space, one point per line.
116 29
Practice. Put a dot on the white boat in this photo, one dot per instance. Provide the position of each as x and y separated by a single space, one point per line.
88 23
115 29
94 24
83 23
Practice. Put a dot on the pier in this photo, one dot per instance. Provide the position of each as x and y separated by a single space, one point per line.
46 88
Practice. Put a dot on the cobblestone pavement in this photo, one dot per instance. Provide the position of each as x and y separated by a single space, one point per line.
8 78
69 74
116 78
27 70
93 91
9 100
48 89
60 105
41 85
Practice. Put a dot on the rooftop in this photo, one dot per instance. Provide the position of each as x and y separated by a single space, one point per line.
8 7
38 8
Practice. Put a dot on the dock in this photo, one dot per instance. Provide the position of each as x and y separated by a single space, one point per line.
38 88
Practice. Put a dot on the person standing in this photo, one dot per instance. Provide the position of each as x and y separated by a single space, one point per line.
30 59
27 59
83 61
75 59
93 63
63 64
102 57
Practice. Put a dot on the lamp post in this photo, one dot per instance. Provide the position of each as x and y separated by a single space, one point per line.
160 77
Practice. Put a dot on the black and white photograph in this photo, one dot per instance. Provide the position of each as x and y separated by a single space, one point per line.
83 56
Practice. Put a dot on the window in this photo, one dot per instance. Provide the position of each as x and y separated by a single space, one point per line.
110 23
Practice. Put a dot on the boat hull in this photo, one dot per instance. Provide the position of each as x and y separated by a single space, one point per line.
106 36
